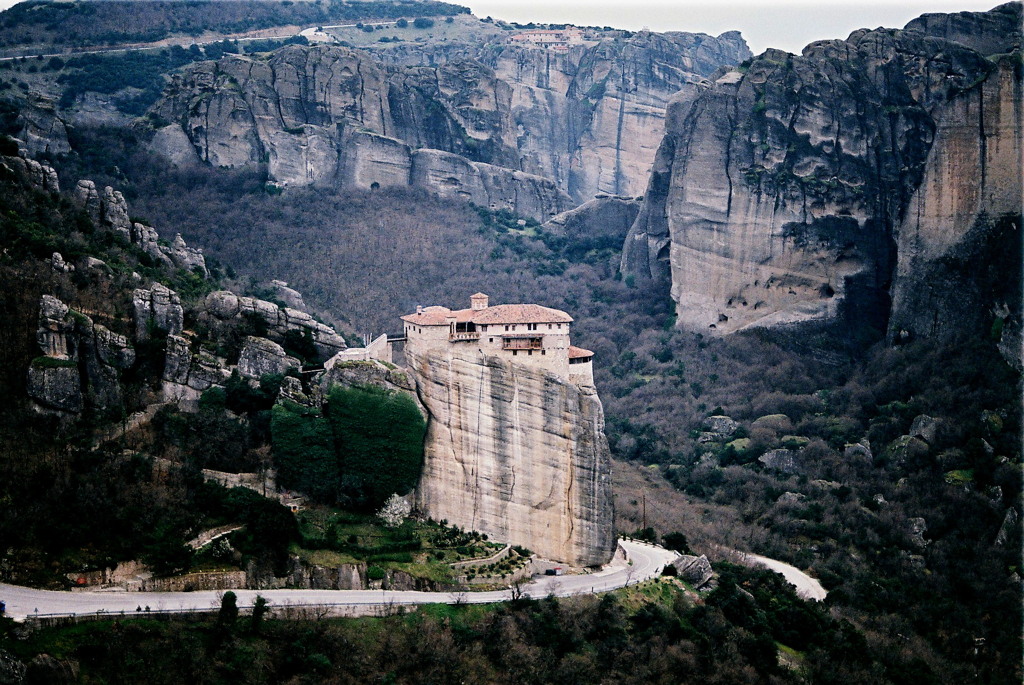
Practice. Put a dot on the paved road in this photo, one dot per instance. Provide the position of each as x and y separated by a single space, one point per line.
644 561
806 587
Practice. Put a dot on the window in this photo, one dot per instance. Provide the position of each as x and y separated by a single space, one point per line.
490 340
514 353
543 351
529 353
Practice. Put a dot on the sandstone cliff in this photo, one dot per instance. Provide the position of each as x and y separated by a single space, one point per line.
518 454
787 191
329 115
592 118
505 126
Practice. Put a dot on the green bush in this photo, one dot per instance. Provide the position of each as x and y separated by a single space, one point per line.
304 452
379 435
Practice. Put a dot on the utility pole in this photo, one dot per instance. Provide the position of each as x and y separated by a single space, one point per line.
644 496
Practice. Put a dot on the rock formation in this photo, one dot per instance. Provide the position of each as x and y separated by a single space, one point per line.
600 223
109 211
225 306
844 185
81 364
508 127
517 453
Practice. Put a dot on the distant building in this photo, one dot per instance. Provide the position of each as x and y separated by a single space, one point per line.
557 40
526 334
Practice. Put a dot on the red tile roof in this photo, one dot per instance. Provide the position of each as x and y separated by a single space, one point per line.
520 313
579 352
496 315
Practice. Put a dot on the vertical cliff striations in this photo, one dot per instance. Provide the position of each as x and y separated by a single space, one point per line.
515 445
506 126
819 188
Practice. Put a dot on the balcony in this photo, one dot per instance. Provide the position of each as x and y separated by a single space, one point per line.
522 343
463 336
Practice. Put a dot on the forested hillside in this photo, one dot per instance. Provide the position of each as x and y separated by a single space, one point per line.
46 24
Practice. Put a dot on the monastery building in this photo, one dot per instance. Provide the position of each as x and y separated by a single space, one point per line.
526 334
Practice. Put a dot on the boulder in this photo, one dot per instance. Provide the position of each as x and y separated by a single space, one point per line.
58 264
722 425
783 460
185 257
791 498
47 670
261 356
925 427
1005 533
905 448
694 570
859 451
291 297
917 528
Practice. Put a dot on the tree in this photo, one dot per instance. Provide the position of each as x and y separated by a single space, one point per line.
422 22
259 610
394 511
228 613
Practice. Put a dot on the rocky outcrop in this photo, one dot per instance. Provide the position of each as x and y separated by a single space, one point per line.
591 118
516 453
581 123
39 176
601 223
81 364
158 307
812 189
38 129
958 247
55 384
188 373
261 356
225 306
109 211
316 577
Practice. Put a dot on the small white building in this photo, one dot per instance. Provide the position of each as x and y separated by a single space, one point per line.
526 334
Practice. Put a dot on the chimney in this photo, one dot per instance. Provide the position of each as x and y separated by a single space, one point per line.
478 302
419 309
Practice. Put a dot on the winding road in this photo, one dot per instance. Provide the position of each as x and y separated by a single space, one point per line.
643 561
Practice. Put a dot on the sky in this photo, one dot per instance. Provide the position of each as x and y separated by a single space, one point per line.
789 24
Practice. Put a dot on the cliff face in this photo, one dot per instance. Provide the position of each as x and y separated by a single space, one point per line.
518 454
329 115
959 245
509 127
788 192
592 118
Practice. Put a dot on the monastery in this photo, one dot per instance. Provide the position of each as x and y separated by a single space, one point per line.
526 334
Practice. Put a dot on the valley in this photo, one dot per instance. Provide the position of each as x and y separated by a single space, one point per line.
295 276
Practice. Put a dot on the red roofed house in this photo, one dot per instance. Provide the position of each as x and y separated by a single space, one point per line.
525 334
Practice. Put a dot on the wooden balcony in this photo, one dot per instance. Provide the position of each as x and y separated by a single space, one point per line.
463 336
522 343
